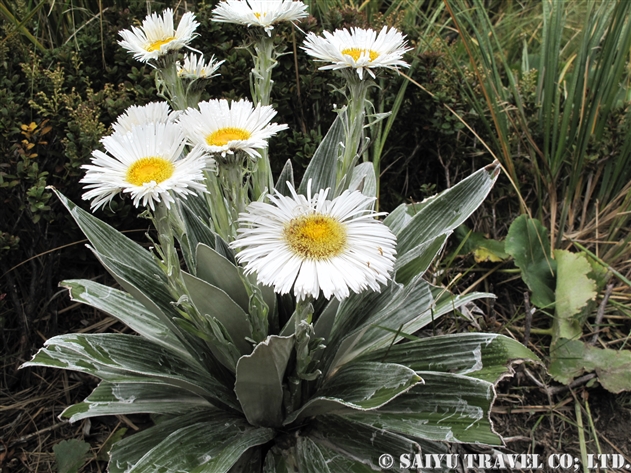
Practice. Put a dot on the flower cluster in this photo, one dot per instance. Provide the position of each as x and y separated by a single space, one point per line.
272 320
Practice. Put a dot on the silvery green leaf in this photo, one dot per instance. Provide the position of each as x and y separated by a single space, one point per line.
119 358
324 324
443 212
154 295
212 301
363 179
484 356
447 302
447 407
204 441
399 218
125 308
416 261
215 269
276 462
360 442
110 243
135 398
222 247
286 175
196 231
259 381
322 168
360 386
337 461
310 458
402 308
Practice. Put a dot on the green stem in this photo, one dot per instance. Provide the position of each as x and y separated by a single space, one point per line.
231 174
356 114
261 88
169 83
167 250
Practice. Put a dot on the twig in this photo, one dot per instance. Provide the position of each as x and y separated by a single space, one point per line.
601 313
28 437
573 384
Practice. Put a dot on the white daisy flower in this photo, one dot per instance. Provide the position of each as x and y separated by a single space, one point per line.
146 163
314 244
158 36
359 49
195 67
264 13
154 112
222 127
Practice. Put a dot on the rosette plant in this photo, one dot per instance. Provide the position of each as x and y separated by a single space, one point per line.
288 339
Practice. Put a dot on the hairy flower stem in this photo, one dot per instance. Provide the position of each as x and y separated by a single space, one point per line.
308 351
168 252
231 172
220 210
261 89
354 127
169 84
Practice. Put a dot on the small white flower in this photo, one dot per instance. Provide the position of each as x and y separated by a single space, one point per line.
222 127
194 67
362 50
157 36
315 244
154 112
145 163
265 13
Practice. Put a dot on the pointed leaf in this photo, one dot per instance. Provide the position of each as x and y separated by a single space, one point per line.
480 355
212 301
361 442
444 212
286 175
125 308
196 231
359 386
406 307
259 384
416 261
324 324
310 458
199 442
363 179
119 358
110 243
215 269
447 407
322 168
135 398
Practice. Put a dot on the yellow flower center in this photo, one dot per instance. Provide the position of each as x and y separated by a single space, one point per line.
157 44
223 136
258 15
149 169
355 53
315 236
